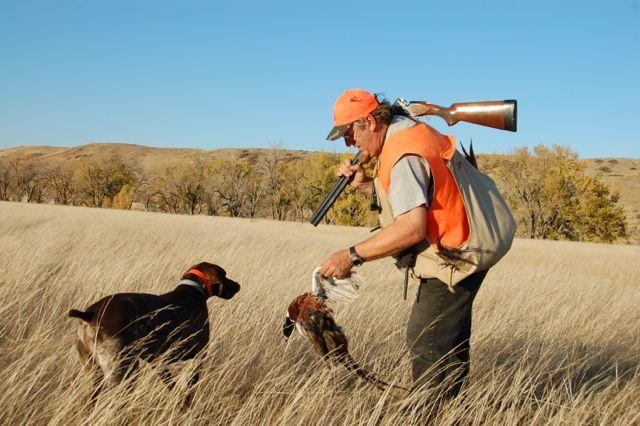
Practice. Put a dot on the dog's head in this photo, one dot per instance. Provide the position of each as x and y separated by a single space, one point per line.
215 280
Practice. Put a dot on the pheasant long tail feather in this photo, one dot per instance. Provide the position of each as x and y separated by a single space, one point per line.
352 365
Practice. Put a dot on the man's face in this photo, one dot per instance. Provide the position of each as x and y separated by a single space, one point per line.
365 135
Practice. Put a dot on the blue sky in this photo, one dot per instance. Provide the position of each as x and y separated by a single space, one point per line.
212 74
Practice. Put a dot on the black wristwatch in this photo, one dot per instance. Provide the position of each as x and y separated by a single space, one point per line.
356 260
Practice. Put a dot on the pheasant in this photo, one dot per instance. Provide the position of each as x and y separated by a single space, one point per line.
312 318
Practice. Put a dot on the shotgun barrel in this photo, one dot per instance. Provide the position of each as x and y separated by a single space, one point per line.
333 195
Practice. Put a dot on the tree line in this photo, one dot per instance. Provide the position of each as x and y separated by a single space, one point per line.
274 186
547 189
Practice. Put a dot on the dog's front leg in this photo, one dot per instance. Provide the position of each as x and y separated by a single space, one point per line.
195 377
169 381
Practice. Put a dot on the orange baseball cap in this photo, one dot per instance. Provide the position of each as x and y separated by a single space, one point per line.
351 105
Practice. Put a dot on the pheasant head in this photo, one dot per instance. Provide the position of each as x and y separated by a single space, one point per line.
299 309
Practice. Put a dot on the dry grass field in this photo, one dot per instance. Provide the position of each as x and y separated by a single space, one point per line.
556 326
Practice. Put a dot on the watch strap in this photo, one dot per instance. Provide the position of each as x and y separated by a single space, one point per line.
356 260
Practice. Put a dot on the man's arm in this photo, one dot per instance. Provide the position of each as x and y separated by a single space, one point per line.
409 196
408 229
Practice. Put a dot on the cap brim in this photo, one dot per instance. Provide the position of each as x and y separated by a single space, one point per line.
337 132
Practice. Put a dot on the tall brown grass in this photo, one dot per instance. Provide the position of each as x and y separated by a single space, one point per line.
556 326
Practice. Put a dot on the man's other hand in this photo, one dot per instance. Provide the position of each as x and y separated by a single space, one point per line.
338 265
356 170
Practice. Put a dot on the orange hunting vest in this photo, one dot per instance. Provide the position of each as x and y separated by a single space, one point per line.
446 216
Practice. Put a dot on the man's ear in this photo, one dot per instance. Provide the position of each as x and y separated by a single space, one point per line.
372 123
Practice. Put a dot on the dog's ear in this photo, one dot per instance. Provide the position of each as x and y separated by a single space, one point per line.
226 289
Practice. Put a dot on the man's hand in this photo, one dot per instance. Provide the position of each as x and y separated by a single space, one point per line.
338 265
356 170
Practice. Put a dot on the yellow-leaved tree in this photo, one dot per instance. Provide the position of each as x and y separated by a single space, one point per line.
353 207
552 197
123 199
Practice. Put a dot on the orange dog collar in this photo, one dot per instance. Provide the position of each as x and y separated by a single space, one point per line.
203 278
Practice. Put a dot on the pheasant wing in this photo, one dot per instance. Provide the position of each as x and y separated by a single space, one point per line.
314 333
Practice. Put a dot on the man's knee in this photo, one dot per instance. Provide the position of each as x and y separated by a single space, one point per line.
426 312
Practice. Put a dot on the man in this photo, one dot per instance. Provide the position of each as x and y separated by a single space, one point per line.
421 206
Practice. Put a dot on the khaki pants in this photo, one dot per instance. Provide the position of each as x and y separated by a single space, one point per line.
439 330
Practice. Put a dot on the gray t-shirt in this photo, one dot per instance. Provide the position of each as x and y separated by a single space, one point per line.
410 176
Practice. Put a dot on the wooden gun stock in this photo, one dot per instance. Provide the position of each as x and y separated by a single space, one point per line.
501 115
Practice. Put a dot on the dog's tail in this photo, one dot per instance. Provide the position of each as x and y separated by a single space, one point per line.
84 316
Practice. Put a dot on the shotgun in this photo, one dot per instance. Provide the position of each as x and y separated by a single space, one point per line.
333 195
501 115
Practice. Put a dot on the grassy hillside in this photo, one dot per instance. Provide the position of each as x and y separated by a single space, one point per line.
150 159
555 325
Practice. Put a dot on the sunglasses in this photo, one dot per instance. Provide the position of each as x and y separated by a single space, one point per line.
349 132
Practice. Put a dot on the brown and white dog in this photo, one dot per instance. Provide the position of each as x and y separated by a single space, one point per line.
120 330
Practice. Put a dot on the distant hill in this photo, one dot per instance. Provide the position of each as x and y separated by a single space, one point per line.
149 158
620 174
